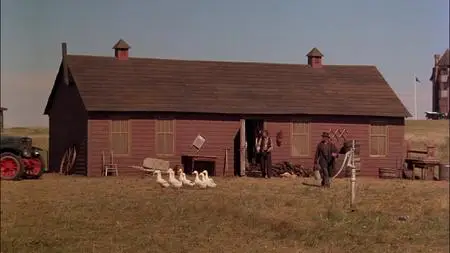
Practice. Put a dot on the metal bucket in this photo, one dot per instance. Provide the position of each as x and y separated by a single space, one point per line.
444 172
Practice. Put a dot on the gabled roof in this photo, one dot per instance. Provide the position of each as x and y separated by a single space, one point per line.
143 84
314 53
445 59
121 44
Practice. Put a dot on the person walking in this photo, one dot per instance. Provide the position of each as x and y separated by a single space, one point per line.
326 152
264 149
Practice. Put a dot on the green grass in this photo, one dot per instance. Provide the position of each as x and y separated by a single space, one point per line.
113 214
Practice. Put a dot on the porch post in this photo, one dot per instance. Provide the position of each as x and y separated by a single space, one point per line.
242 148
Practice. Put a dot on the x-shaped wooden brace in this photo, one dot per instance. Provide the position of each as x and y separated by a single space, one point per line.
338 134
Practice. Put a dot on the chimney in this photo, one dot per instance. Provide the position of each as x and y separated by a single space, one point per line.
121 49
64 63
315 58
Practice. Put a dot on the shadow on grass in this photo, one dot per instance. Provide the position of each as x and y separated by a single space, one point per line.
309 184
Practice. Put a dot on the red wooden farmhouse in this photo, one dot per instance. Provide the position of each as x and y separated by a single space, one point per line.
148 107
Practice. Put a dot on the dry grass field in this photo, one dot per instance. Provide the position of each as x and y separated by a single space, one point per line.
114 214
76 214
435 132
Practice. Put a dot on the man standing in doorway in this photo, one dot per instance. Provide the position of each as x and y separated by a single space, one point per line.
326 152
264 149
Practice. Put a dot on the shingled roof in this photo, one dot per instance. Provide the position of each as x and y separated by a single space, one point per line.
121 44
314 53
143 84
445 59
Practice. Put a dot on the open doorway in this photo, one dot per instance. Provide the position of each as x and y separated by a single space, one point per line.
252 127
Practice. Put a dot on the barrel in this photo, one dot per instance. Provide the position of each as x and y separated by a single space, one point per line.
444 171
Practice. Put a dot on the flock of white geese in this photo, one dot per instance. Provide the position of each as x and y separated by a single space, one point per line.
201 179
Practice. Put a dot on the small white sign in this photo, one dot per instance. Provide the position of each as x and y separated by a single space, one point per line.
198 142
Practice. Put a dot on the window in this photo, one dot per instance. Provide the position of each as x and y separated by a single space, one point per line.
165 139
378 139
120 141
300 139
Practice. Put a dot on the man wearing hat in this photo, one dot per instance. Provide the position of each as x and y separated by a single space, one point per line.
264 149
326 152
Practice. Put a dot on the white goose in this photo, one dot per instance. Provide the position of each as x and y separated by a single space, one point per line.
183 178
209 181
173 181
198 181
163 183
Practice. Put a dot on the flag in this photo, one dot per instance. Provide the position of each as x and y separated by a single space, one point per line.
417 80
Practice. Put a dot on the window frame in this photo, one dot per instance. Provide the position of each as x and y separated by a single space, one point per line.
173 121
308 138
111 134
386 136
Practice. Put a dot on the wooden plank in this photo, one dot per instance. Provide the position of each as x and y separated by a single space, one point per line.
417 151
242 148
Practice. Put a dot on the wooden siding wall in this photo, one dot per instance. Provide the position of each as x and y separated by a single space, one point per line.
443 105
1 121
357 129
218 132
67 129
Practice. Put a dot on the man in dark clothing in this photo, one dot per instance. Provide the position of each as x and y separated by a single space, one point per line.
264 149
326 152
259 134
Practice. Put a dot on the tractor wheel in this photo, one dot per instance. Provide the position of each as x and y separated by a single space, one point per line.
34 167
11 166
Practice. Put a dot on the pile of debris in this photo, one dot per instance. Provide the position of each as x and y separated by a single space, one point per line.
287 169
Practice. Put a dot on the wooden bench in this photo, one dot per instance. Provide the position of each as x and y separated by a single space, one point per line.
423 160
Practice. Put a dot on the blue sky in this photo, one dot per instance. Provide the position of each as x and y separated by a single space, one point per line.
398 36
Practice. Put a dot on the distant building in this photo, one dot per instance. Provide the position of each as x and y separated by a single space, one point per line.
440 80
2 109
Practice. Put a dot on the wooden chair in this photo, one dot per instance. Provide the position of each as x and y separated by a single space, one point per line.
109 166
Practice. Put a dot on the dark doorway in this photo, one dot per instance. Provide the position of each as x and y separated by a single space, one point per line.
237 153
252 127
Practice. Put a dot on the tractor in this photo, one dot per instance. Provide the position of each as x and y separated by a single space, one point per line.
19 159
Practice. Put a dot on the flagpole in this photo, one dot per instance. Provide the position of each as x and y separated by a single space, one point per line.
415 97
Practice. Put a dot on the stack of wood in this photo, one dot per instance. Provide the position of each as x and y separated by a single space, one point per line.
279 169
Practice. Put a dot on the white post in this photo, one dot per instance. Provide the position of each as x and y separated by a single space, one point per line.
351 164
415 98
242 148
